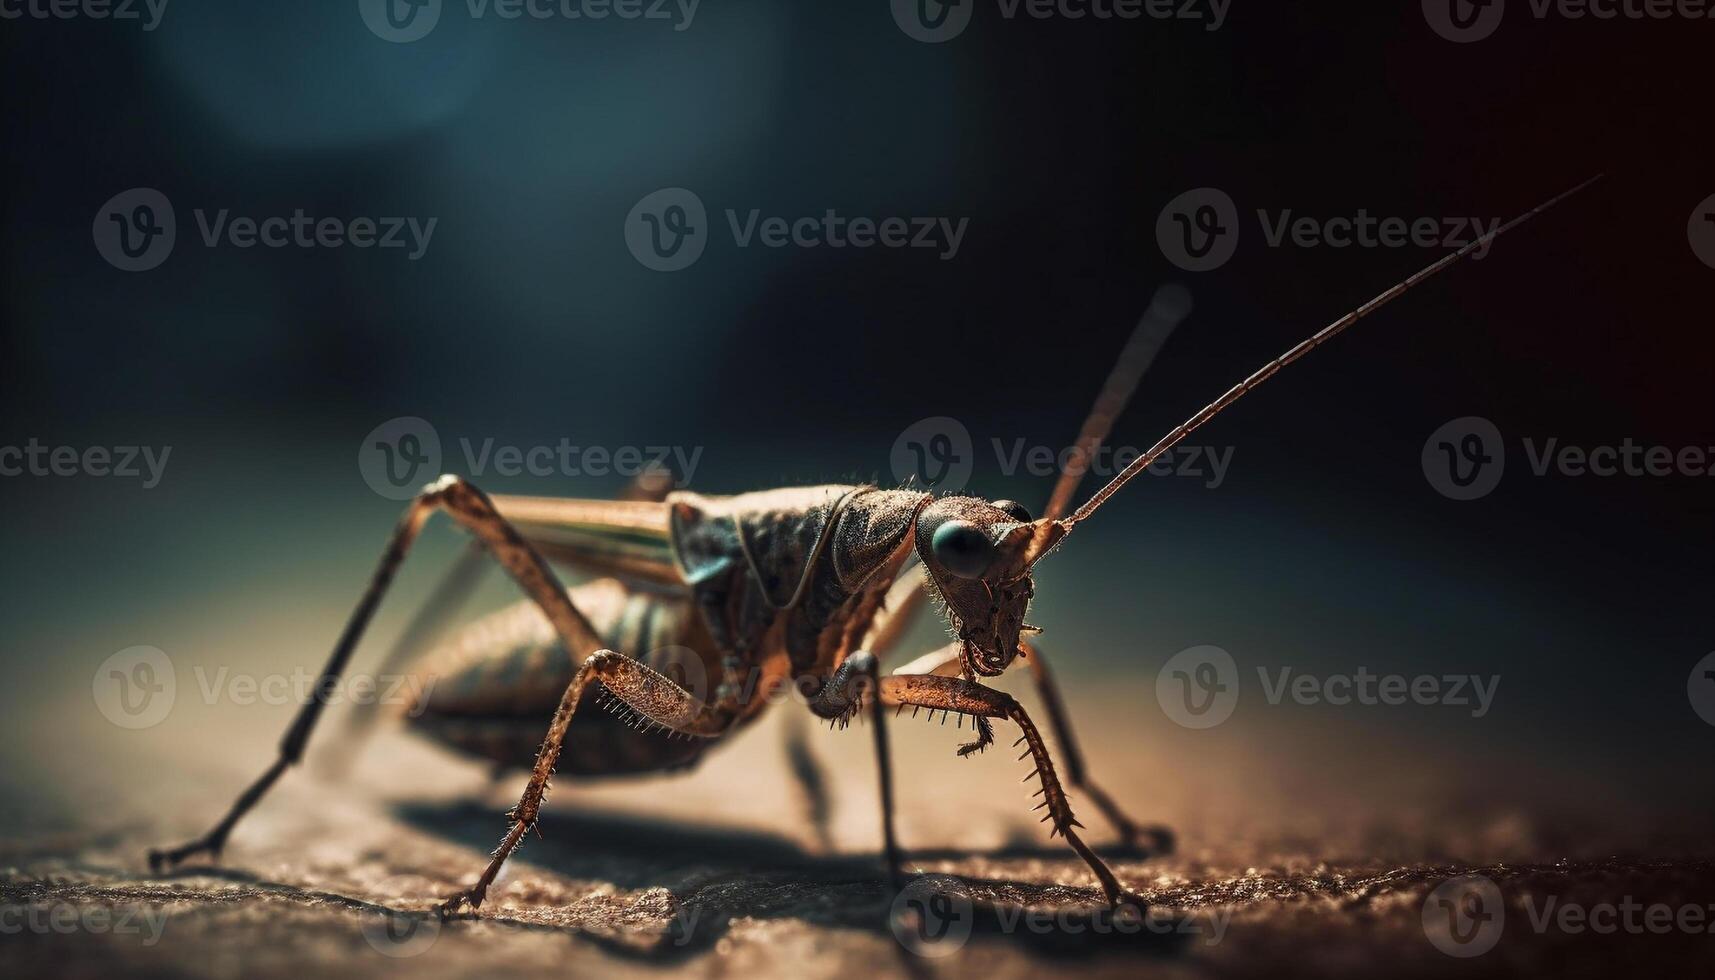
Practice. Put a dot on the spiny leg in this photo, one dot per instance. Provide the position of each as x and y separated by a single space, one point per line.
1060 720
946 662
472 509
858 680
655 698
968 697
426 626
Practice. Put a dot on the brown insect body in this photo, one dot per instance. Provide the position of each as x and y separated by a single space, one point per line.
776 586
704 604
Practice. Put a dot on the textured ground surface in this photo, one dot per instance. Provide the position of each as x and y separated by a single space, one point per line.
717 874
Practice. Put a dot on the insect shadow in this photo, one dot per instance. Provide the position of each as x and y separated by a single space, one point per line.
718 875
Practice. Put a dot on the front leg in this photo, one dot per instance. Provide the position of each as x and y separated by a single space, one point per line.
968 697
945 662
655 699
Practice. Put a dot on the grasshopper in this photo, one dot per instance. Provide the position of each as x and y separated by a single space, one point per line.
737 594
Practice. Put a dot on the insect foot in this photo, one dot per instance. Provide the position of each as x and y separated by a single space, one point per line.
166 860
985 737
472 897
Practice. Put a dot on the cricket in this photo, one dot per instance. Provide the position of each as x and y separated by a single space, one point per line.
699 605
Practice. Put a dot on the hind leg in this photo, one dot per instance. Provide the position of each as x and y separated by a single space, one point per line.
472 509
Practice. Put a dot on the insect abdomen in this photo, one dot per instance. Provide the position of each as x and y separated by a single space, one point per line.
492 691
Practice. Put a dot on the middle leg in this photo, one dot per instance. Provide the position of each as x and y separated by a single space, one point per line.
855 682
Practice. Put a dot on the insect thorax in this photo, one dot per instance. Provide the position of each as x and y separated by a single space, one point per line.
790 580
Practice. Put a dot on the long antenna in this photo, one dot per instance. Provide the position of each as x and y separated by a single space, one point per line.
1316 340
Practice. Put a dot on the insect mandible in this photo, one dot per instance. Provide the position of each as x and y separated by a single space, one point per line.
736 595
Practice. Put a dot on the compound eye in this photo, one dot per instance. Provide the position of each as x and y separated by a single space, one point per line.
962 548
1015 510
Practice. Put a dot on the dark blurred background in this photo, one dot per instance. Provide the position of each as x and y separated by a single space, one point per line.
527 320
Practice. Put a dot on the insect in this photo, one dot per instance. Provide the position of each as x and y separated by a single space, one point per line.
738 594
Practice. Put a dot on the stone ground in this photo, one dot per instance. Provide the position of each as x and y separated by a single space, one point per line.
720 873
